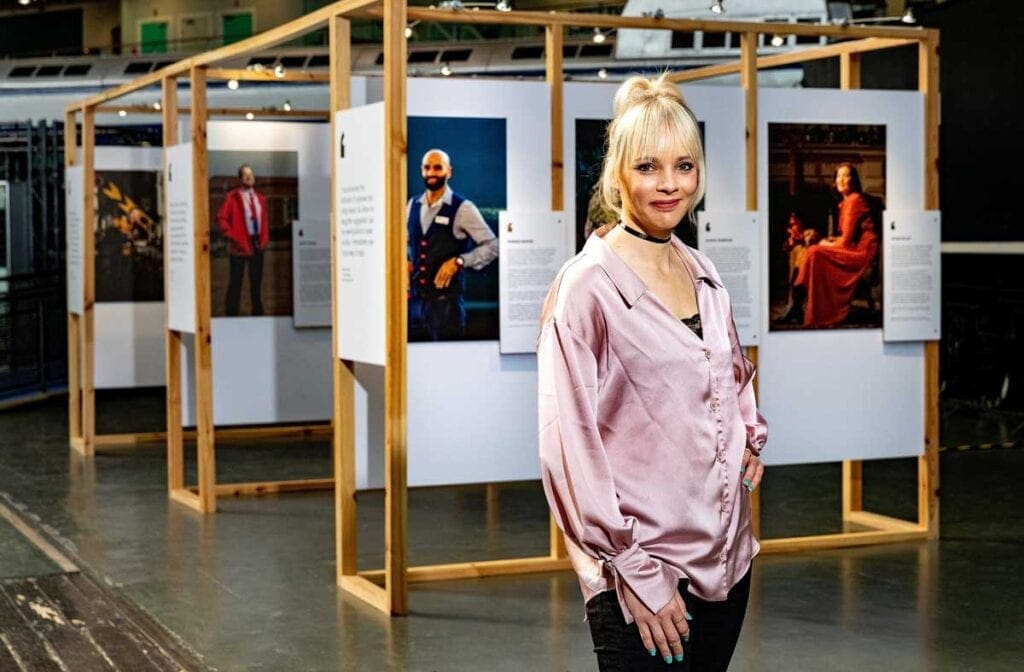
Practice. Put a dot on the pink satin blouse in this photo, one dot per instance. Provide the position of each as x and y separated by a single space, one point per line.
642 431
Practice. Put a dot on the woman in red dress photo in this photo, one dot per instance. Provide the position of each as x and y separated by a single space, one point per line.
832 268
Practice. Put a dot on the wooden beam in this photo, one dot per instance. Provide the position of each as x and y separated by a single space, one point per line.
310 431
243 75
477 570
822 542
395 439
368 592
880 522
188 498
203 337
849 71
172 339
795 57
219 111
88 319
928 464
265 40
346 538
608 21
74 321
748 79
259 488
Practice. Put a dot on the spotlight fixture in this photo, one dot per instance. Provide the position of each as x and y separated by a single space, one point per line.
257 67
157 106
232 84
503 6
446 70
717 7
602 73
279 71
122 113
287 107
908 16
599 37
25 3
778 40
408 32
250 116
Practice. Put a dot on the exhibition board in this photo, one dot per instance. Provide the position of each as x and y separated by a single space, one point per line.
874 404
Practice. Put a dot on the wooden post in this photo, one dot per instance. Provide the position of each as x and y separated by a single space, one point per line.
853 471
928 464
74 320
88 331
553 39
345 529
172 340
203 338
395 440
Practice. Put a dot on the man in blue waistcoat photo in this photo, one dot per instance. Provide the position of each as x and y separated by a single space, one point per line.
447 236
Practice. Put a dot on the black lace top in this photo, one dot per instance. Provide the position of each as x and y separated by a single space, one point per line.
693 322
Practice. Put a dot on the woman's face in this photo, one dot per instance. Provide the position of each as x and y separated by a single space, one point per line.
660 189
843 180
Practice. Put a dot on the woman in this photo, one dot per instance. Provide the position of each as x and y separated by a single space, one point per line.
650 434
832 268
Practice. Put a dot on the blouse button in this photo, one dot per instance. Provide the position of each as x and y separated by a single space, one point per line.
707 354
721 456
715 406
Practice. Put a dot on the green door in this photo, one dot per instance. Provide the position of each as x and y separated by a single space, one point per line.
235 27
154 37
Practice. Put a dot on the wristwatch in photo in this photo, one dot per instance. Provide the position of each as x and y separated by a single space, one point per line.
460 262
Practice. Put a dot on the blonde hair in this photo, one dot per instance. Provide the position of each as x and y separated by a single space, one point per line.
650 116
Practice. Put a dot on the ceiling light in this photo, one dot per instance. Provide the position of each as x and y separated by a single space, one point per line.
279 71
598 36
446 70
232 84
250 116
778 40
408 32
157 106
122 113
908 16
24 2
603 73
503 6
717 8
287 107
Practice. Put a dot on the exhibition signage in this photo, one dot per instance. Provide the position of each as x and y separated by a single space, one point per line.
912 275
180 257
732 240
74 202
360 234
311 268
533 248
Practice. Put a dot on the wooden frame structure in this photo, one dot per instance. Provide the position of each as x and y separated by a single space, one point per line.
387 589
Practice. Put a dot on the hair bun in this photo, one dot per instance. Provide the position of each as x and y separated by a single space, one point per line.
638 90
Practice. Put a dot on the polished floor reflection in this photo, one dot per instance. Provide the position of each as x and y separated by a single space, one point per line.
251 588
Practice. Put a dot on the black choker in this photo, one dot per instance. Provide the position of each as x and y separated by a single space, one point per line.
644 236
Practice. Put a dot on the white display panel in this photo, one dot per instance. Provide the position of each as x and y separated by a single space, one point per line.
311 273
180 248
359 205
732 240
265 370
74 203
912 275
129 336
472 412
843 394
533 249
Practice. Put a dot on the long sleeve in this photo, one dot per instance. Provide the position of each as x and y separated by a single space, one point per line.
577 479
744 371
224 214
469 222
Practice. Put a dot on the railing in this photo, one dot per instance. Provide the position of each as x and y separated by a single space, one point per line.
33 334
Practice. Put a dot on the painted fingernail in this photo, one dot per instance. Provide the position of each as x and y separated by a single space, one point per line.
689 617
743 468
653 652
668 660
679 657
746 484
686 638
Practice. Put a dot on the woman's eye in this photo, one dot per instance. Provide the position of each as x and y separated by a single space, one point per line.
686 166
645 167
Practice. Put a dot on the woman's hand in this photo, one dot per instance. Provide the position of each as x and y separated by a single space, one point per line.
663 632
752 470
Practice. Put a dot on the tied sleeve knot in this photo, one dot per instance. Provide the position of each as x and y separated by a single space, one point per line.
649 579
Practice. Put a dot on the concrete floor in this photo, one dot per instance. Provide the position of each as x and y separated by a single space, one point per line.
251 588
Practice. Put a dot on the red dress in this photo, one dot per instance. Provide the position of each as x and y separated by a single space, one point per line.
830 272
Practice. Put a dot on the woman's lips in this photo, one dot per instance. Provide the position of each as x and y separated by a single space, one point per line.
665 206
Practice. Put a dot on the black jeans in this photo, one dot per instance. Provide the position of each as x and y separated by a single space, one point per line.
236 270
440 318
714 630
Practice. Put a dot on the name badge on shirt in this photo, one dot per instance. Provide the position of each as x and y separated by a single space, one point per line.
441 219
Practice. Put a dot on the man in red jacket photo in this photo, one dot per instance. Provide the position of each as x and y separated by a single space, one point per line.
243 220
